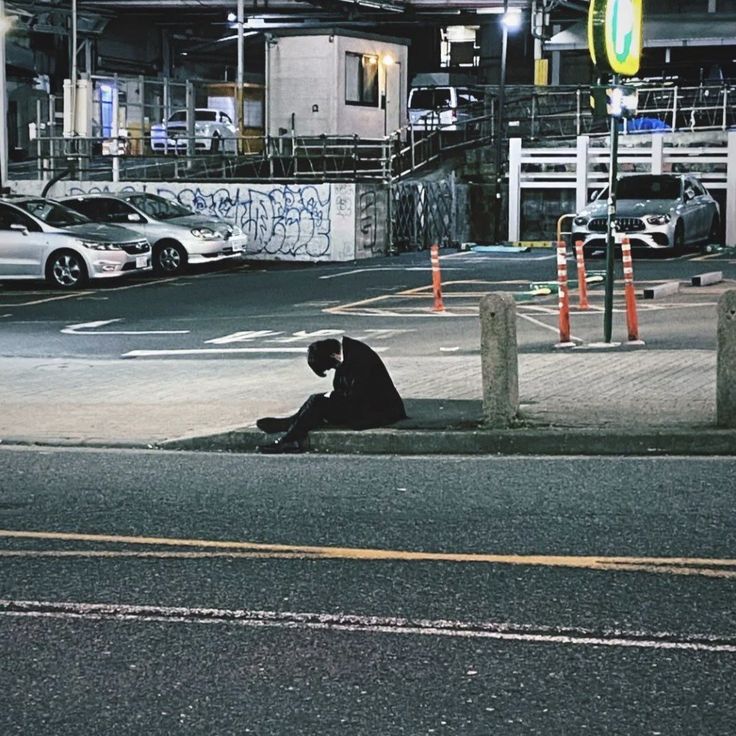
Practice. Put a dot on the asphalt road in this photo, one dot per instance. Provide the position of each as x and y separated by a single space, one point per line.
212 594
219 312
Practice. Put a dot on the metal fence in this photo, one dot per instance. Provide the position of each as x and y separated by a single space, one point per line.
531 113
424 213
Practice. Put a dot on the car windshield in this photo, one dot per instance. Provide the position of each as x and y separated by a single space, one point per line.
648 187
180 116
53 213
157 207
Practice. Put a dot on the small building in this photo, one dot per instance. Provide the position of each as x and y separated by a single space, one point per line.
335 82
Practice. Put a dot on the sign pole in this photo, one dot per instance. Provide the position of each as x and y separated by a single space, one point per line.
611 226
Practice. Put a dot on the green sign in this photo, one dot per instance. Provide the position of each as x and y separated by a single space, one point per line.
615 35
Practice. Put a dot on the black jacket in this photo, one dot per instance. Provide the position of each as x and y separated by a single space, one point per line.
363 393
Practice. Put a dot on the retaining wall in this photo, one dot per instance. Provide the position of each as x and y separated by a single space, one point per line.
290 222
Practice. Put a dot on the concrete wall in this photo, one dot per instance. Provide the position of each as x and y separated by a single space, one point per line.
300 73
305 76
290 222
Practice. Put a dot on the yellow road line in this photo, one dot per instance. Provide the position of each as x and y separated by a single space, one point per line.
669 565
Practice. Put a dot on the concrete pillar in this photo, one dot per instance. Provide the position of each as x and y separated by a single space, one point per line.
581 172
726 371
514 190
489 36
730 212
499 359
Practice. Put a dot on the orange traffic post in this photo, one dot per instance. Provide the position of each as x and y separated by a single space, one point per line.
436 279
582 283
632 320
563 296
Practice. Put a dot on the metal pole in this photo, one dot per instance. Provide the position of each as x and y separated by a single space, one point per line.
3 105
240 74
611 227
74 68
500 128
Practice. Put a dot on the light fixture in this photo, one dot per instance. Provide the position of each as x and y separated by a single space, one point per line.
231 17
512 19
387 60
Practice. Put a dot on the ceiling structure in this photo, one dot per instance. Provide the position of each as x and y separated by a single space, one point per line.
209 17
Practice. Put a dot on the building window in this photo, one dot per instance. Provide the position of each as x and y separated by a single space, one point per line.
361 79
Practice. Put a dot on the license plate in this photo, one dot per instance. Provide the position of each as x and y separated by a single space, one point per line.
141 261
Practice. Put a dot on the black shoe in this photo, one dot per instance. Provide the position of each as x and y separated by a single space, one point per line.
281 448
271 425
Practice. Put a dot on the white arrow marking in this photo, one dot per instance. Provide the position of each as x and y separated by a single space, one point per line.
77 329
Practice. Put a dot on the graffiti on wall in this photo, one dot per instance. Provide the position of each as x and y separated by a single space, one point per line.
367 220
282 220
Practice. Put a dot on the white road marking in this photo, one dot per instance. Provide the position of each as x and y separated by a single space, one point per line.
216 351
552 328
84 327
501 631
387 268
242 336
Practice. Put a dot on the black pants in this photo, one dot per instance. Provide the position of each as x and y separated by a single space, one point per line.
317 410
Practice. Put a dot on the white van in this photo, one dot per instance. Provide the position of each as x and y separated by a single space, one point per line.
442 107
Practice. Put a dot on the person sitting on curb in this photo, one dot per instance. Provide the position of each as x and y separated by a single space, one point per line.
363 396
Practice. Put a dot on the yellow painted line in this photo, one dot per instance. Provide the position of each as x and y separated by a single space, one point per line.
669 565
89 293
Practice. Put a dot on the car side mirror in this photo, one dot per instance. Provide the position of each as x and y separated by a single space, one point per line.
135 217
595 194
19 229
689 194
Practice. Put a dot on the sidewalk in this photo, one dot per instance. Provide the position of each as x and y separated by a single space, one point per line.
580 402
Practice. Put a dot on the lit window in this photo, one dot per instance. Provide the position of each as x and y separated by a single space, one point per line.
361 79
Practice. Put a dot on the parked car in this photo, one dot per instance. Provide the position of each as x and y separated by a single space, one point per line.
214 132
42 239
656 211
177 235
445 107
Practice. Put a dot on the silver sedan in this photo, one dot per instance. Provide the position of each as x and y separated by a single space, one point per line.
177 235
665 211
40 238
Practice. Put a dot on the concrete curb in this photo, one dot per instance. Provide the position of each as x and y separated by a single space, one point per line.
550 441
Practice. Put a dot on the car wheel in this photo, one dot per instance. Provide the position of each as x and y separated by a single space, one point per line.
169 258
679 245
215 144
66 269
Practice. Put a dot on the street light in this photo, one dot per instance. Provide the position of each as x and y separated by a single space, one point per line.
510 21
387 62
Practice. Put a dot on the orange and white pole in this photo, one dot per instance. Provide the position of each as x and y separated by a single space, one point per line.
582 283
632 320
436 279
563 296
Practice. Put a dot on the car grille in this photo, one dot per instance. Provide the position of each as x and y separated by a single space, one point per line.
623 224
139 246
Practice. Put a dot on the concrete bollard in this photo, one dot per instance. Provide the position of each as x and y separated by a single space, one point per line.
726 378
499 359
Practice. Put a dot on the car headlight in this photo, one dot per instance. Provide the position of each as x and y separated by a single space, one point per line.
658 219
205 233
96 245
581 220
